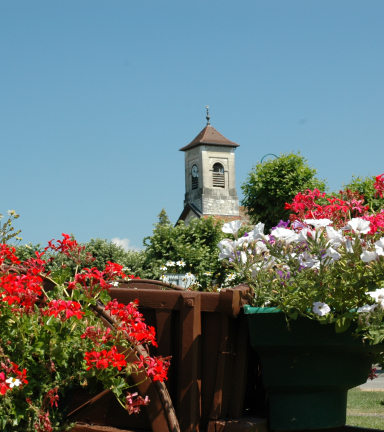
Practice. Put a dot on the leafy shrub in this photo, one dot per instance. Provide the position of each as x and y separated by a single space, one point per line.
195 243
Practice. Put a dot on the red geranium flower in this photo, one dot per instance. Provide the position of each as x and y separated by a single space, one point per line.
69 309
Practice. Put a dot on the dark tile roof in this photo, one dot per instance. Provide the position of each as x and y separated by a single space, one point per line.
209 135
189 207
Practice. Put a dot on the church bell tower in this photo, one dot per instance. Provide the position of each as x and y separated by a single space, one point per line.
210 182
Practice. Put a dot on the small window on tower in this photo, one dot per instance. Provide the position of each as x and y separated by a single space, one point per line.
218 176
195 177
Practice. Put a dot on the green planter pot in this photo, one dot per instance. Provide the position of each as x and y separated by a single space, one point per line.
308 370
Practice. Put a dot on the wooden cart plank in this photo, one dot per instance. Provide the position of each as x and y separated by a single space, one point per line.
211 327
189 388
227 302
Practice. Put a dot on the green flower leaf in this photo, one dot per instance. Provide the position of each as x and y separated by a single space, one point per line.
342 324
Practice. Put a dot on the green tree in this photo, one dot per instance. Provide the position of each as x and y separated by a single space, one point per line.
273 183
103 250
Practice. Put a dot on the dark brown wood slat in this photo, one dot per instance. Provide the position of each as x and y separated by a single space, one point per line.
163 331
189 385
224 371
163 338
240 369
211 327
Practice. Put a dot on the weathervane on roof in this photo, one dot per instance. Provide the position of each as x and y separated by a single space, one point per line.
208 124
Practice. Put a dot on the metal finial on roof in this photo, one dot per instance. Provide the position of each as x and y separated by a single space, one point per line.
208 124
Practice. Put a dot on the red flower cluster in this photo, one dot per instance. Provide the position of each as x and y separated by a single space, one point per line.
36 265
132 322
114 270
70 248
91 280
103 359
11 368
376 220
43 423
156 367
97 335
379 185
133 405
338 210
52 397
23 290
7 254
64 309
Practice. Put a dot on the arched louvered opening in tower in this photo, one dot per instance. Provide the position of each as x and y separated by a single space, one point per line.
218 176
195 182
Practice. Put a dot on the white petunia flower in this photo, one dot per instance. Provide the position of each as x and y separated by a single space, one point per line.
335 238
358 225
368 256
306 260
302 236
229 247
378 295
379 246
348 245
333 254
258 231
232 227
318 223
285 234
260 248
320 308
13 382
243 257
367 308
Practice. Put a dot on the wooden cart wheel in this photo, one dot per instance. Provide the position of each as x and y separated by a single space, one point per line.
156 390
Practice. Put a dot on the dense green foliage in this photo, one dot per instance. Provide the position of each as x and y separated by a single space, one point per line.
104 251
273 183
195 243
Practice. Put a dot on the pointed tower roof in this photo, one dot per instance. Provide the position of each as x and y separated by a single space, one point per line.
209 135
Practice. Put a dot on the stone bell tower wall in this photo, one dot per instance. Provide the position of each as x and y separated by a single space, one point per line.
207 198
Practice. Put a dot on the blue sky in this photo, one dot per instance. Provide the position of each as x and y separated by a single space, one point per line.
97 97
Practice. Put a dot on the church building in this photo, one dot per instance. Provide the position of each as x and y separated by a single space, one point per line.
210 180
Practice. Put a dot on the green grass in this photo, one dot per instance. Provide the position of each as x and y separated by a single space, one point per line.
368 403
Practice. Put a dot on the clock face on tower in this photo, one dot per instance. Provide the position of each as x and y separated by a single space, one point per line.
195 171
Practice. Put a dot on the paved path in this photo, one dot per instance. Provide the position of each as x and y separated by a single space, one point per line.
376 384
